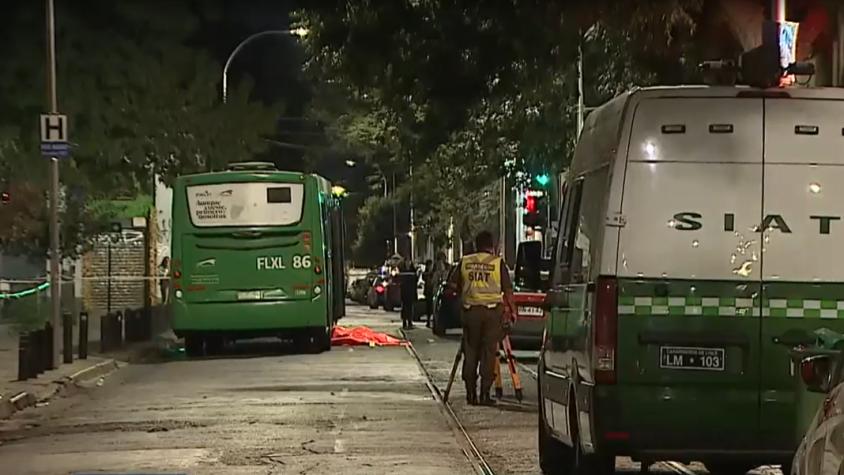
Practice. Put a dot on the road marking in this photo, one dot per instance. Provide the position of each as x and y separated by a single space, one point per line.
339 446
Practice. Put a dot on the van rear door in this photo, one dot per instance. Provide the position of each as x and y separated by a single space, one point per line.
689 275
804 261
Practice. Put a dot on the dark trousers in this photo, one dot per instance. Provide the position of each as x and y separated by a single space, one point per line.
482 332
406 313
429 307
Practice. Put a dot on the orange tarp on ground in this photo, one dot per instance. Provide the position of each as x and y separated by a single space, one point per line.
343 336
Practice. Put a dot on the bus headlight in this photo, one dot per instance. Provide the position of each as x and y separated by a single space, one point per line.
178 294
317 289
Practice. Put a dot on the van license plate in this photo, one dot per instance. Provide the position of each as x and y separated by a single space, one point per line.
251 295
684 357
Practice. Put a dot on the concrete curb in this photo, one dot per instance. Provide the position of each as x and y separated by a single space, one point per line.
92 372
26 399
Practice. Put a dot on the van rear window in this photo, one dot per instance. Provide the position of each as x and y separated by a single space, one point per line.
245 204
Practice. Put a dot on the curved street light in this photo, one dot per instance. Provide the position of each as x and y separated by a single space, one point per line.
298 32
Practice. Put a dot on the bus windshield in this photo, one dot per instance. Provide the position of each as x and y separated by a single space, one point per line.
245 204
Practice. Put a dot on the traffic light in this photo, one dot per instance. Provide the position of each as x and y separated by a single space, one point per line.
534 209
543 179
530 204
761 67
767 65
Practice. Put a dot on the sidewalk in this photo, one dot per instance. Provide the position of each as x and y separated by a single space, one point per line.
16 395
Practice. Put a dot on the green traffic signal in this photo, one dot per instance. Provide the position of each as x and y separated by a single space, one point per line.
543 179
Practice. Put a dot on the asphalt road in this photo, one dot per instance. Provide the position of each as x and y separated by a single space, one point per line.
258 409
345 411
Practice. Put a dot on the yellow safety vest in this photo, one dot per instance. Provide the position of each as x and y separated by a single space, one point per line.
481 275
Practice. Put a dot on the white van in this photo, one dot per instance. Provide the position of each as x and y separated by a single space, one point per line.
701 239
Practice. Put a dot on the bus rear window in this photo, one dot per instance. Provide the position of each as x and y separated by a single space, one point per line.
245 204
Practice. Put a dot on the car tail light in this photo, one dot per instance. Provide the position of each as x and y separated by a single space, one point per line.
606 330
379 289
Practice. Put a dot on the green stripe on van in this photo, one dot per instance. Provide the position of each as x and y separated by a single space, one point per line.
730 307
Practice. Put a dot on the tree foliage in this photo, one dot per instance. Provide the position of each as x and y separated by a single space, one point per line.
140 100
466 91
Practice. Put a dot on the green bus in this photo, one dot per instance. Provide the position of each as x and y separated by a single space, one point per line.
256 252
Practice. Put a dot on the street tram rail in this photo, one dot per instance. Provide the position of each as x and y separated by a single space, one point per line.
471 450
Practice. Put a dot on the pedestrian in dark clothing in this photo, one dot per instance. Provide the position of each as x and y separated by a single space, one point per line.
407 282
428 283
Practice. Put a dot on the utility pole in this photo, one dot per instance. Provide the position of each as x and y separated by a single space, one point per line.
502 216
412 225
55 258
395 219
581 113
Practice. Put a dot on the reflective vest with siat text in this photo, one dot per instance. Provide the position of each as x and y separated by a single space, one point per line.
481 275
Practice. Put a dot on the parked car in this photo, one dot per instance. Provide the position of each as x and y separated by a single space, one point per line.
446 307
392 291
376 292
822 449
530 282
360 288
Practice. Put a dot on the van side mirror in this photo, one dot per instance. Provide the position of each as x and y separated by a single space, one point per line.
528 270
816 373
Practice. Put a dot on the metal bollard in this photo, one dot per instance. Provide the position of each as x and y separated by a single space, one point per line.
48 346
129 322
83 336
146 324
24 350
105 333
118 329
67 337
36 357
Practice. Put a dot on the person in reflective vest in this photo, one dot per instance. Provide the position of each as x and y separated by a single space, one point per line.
486 295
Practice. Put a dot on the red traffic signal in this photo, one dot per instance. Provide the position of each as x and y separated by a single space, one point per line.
530 204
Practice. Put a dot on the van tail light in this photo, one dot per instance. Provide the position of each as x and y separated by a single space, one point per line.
606 330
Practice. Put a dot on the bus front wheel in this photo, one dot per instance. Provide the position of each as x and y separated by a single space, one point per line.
194 345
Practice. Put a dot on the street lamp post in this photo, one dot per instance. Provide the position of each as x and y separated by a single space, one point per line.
55 258
299 32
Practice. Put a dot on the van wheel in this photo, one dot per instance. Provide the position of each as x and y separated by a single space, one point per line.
583 464
595 464
555 457
730 468
194 346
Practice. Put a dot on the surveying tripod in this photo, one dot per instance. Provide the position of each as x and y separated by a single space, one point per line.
506 352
